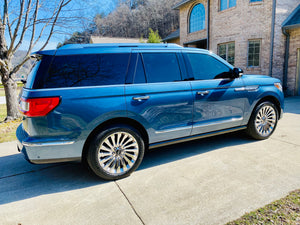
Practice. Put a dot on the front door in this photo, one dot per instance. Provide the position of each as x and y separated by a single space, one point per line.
217 104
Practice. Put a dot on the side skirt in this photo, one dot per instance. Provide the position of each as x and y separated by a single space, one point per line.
190 138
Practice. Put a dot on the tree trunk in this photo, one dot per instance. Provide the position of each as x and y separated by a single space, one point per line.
10 88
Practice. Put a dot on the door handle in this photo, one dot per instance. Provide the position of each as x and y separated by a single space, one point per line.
140 98
202 93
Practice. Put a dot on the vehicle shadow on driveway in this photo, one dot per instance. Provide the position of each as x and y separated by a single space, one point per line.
20 180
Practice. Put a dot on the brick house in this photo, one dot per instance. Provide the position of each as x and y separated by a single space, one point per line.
259 36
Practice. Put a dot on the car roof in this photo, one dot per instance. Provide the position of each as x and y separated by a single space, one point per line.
74 49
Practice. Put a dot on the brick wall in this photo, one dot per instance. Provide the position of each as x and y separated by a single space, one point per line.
185 10
283 9
242 23
292 70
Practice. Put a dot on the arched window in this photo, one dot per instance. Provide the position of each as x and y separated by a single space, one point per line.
197 18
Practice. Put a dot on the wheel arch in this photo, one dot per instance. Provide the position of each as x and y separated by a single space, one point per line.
112 122
271 99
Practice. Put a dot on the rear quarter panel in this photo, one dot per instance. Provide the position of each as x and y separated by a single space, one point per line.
80 111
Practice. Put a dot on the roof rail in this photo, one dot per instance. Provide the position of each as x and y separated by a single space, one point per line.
118 45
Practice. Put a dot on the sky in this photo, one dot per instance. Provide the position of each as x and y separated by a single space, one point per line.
83 12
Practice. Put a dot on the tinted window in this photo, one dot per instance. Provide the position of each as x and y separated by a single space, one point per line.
36 77
206 67
87 70
161 67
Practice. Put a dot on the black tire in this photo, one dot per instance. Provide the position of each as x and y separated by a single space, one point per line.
111 160
263 121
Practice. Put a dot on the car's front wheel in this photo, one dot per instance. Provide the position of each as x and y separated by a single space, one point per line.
263 121
116 152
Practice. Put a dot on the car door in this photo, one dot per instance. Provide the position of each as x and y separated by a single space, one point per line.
217 104
157 96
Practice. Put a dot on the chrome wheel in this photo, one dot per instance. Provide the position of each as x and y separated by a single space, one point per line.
118 153
265 120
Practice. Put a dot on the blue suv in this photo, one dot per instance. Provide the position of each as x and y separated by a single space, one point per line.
105 104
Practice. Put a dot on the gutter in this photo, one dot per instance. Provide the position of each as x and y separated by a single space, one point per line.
208 23
286 58
272 38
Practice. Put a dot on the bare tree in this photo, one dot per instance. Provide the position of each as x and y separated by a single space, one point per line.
133 18
33 20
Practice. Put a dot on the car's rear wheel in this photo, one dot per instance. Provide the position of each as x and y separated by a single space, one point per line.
116 152
263 121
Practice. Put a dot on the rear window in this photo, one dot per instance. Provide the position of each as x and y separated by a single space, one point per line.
83 70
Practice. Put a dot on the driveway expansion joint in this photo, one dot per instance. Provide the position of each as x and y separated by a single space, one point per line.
277 139
30 171
131 205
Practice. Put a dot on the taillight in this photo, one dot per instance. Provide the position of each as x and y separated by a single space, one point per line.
33 107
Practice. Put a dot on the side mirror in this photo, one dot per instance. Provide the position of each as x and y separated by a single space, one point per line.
237 72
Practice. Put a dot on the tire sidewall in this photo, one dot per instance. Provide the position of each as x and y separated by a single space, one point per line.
251 126
92 156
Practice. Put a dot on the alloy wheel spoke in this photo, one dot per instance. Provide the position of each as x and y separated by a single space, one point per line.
118 153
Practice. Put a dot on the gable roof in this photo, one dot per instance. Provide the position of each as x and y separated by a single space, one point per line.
173 35
293 20
183 2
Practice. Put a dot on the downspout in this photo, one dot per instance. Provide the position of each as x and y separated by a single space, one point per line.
272 38
286 59
208 23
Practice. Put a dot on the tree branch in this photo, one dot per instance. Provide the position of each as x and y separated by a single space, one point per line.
24 27
3 65
17 27
34 26
9 28
62 4
44 27
19 66
5 13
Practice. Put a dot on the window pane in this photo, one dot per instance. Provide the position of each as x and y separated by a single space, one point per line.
254 53
222 51
161 67
87 70
206 67
232 3
231 53
227 52
197 18
223 4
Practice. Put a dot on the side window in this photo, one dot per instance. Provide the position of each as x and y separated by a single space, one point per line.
87 70
161 67
205 67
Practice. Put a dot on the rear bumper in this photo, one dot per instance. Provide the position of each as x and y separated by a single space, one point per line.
41 151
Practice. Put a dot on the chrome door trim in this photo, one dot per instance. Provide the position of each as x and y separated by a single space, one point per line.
172 130
43 144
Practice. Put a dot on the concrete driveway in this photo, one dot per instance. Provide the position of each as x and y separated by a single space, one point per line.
208 181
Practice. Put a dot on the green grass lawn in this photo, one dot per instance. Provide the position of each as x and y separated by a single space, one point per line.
7 130
283 211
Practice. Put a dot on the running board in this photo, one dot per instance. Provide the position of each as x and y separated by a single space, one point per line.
195 137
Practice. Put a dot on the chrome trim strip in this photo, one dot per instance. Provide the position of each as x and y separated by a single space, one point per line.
220 122
172 130
59 160
247 88
190 138
43 144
